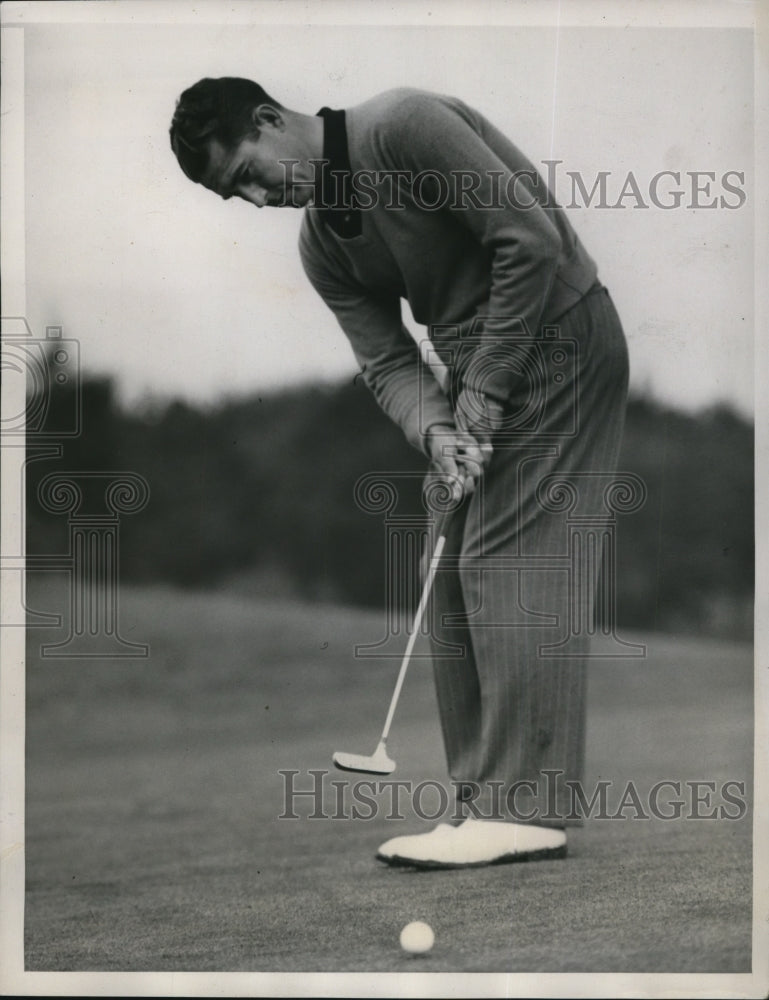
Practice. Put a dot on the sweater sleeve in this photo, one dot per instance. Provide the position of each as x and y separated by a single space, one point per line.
427 133
392 368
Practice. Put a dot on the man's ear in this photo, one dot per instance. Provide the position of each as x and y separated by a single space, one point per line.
266 114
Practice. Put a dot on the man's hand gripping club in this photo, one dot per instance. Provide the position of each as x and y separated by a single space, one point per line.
461 452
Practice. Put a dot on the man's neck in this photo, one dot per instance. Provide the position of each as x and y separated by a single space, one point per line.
310 130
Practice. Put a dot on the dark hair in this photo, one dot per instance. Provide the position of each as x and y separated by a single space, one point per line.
213 109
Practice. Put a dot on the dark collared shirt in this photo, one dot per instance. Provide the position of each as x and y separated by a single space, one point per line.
334 196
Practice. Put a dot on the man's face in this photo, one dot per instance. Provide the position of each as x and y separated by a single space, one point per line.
252 169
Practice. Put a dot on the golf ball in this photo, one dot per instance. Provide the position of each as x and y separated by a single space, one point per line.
417 937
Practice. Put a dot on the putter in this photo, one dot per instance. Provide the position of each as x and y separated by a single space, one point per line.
379 762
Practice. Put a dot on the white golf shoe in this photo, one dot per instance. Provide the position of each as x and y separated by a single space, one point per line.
474 843
419 846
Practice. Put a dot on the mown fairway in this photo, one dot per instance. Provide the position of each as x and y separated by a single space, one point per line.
153 791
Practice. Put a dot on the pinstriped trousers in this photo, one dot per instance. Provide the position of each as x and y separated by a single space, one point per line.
513 719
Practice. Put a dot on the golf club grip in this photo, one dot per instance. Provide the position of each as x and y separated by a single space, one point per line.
414 631
441 518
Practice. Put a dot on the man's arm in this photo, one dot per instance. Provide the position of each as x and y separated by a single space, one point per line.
392 368
427 134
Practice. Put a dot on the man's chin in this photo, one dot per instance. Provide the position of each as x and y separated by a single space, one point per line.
293 199
299 199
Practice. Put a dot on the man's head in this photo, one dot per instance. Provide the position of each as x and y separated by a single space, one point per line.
231 136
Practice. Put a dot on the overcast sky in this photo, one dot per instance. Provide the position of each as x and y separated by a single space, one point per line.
178 293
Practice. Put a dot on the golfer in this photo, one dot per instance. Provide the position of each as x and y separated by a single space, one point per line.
417 196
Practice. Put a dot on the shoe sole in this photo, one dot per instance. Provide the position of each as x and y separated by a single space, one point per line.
546 854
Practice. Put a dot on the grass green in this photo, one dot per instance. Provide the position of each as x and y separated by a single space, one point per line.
153 791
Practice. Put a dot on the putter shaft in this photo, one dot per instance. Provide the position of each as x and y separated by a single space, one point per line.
414 633
379 762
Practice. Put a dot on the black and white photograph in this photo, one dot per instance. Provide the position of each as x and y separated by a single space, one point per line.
383 425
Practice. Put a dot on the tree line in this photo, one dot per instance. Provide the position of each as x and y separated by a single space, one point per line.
257 493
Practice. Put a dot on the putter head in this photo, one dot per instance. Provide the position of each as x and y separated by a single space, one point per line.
377 763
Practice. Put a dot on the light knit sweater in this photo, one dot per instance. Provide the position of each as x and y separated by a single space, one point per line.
518 263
